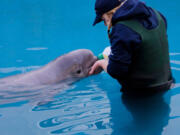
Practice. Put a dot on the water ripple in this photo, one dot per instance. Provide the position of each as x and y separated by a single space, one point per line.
84 110
15 69
36 48
91 124
175 68
175 61
39 95
172 54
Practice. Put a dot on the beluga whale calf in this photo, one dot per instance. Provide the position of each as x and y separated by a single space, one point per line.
39 86
66 68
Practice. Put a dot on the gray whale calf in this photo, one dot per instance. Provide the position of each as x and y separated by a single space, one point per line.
69 67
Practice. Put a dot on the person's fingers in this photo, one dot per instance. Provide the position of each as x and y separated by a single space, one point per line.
91 71
93 68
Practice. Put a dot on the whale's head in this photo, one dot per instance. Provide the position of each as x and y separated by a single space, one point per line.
69 68
76 64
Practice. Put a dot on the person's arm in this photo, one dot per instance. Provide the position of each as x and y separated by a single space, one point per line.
124 42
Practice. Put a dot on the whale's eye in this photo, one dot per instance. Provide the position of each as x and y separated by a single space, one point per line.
78 71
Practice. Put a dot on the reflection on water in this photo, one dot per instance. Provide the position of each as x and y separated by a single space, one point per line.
150 114
174 54
175 61
38 95
82 109
18 69
36 48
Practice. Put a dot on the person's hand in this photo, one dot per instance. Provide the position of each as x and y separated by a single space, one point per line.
99 66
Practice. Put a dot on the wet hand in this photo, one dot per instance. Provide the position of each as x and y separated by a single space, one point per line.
99 66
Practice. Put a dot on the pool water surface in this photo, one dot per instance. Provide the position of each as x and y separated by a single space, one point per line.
33 33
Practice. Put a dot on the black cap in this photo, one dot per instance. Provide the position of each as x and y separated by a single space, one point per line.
103 6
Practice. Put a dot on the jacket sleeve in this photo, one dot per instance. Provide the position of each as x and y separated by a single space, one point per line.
123 42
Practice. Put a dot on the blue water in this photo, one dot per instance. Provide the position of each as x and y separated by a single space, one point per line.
32 33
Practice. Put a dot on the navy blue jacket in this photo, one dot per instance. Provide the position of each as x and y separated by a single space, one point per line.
125 41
